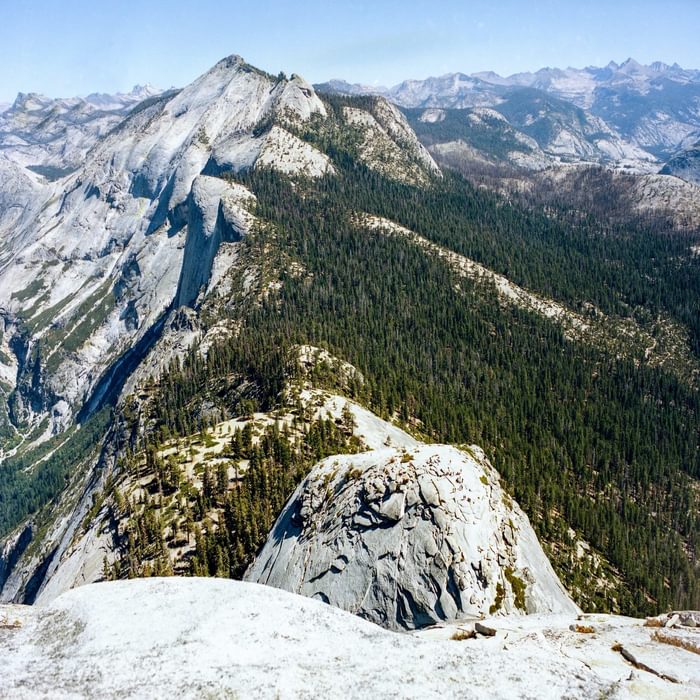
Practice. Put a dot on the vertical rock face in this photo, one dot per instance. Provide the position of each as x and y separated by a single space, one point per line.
410 539
92 260
12 550
215 214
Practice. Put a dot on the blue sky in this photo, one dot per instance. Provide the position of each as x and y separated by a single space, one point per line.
73 47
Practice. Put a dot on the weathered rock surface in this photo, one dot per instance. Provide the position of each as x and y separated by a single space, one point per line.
388 144
685 165
193 638
407 539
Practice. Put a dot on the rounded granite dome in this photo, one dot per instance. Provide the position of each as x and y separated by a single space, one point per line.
407 539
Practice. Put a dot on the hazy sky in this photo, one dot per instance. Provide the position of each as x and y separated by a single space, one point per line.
73 47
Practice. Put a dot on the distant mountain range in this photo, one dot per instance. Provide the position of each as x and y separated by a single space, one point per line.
53 135
630 113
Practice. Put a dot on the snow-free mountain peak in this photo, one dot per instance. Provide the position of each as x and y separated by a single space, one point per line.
30 101
630 66
122 100
174 277
136 215
136 179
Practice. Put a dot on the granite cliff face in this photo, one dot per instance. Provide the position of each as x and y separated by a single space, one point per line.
410 538
93 261
106 252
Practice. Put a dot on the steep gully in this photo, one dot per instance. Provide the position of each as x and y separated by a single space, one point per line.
201 248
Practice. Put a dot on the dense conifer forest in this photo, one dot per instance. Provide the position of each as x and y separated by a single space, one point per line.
600 442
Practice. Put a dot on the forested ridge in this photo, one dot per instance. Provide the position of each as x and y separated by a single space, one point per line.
581 438
602 443
174 517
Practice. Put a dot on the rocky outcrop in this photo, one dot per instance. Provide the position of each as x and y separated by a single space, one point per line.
20 196
407 539
290 155
215 214
685 165
386 143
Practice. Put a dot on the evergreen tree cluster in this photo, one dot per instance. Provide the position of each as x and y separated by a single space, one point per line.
213 526
604 444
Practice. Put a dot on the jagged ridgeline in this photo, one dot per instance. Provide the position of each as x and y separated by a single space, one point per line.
565 345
